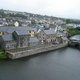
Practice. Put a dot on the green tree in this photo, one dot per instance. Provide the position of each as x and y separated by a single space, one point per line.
33 22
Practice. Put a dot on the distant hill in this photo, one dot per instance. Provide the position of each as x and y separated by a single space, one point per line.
25 15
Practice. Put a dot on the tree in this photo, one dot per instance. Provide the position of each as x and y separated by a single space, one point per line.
33 22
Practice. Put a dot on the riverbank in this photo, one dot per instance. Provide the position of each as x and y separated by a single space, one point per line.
3 56
73 31
74 41
20 54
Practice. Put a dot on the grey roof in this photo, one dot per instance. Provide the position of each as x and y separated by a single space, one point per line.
64 26
59 34
64 38
76 37
33 39
21 32
7 38
11 29
49 31
52 26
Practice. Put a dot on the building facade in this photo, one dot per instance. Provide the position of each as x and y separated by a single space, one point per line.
20 39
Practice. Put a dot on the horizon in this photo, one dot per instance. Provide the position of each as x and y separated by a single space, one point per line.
57 8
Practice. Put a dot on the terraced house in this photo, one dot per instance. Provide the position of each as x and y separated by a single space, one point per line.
47 36
20 38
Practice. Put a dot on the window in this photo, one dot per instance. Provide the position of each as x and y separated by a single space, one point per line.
14 45
7 47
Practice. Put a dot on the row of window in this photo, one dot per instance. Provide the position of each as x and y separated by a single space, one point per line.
9 46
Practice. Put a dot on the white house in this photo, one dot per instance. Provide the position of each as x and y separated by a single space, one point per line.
16 24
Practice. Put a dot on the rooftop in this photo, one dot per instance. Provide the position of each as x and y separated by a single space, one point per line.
7 38
22 32
64 38
75 37
49 31
33 39
11 29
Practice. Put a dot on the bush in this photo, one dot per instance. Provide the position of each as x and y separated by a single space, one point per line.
2 56
73 32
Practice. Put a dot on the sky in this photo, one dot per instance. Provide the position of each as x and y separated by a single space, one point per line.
57 8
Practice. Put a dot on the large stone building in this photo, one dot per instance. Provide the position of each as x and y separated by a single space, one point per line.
15 40
9 30
20 38
8 42
47 36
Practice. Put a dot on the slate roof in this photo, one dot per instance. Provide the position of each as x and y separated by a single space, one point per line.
64 38
7 38
40 27
49 31
11 29
52 26
76 37
22 32
63 26
33 39
59 34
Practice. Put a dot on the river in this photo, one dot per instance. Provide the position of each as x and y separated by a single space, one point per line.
62 64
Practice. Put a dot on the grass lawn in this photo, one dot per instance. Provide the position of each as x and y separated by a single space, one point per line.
3 56
1 50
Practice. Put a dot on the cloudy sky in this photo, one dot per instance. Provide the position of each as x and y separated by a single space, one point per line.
57 8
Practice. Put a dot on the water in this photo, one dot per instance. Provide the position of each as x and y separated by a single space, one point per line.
62 64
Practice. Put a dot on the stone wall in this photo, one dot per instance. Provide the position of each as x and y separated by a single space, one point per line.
21 54
75 44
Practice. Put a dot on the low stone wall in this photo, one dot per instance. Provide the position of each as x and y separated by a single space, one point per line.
74 44
21 54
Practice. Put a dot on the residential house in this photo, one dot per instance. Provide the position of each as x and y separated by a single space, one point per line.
64 39
18 39
16 23
46 36
24 24
52 26
60 28
10 30
8 42
22 38
51 35
41 35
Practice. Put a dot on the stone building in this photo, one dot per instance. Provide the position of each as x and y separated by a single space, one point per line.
8 42
9 30
18 39
22 38
47 36
64 39
51 35
42 36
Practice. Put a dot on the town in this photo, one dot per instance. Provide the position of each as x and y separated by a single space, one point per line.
39 39
21 31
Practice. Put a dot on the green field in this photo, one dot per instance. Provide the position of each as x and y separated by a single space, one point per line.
1 50
2 56
73 32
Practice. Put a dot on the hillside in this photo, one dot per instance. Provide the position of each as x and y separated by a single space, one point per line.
25 15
